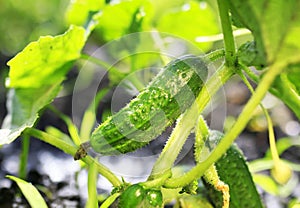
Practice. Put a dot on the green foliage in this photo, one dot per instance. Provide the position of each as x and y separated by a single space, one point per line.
35 77
79 11
266 18
37 72
44 62
22 22
190 21
30 192
23 107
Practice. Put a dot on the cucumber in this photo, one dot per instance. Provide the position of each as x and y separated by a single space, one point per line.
233 170
168 95
132 197
135 196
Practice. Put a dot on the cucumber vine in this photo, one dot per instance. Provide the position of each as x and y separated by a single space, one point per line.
177 95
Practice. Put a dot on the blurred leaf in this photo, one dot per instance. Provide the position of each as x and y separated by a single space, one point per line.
283 144
266 183
79 10
274 24
287 88
129 14
194 201
21 22
30 192
23 106
190 21
41 62
59 134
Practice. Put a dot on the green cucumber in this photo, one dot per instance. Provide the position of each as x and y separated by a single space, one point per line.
154 198
135 196
233 170
168 95
132 197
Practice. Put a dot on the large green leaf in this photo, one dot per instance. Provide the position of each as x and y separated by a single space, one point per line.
41 62
35 77
30 192
190 21
78 11
275 25
269 20
130 15
23 106
287 88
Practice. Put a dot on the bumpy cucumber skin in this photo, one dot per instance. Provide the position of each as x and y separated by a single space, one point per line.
169 94
233 170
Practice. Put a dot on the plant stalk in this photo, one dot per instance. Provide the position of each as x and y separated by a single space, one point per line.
229 44
71 150
231 135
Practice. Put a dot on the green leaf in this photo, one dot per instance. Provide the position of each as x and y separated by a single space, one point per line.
35 77
283 144
287 88
78 11
23 106
42 62
270 21
190 21
131 13
266 183
275 25
194 201
30 192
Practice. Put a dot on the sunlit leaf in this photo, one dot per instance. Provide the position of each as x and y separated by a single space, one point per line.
79 10
30 192
41 62
266 183
23 106
287 88
194 201
189 22
130 15
35 77
274 24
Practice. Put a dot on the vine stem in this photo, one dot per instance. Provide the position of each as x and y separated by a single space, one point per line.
229 44
187 121
231 135
272 141
24 156
71 150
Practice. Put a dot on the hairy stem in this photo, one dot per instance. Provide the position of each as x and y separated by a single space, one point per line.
187 122
231 135
229 44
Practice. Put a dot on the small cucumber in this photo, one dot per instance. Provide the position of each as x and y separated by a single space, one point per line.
233 170
135 196
168 95
154 198
132 197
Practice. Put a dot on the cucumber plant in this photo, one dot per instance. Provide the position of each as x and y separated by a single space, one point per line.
168 95
175 97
